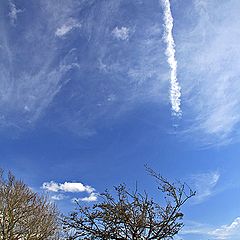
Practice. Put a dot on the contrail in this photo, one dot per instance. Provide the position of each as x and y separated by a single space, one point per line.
175 89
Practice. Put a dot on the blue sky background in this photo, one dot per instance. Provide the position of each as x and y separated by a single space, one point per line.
84 101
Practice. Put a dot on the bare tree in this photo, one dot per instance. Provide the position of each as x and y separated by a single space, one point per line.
25 215
129 215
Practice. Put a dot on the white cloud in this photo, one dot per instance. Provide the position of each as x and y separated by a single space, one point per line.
13 12
175 89
91 198
70 187
68 26
204 184
67 187
121 33
231 231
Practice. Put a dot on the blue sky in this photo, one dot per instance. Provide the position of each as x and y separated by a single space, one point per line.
90 91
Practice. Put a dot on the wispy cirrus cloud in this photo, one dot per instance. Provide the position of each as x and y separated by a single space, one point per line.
225 232
122 75
98 77
208 54
204 184
33 71
110 77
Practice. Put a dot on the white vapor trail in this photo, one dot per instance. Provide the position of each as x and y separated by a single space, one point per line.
175 89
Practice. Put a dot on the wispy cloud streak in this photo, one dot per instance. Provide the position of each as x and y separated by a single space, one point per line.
208 54
175 89
205 184
223 232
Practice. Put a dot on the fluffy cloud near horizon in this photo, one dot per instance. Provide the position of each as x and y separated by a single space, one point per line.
91 198
64 189
67 187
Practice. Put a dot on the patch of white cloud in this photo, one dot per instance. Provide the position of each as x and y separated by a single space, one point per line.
205 185
175 89
14 11
121 33
67 27
67 187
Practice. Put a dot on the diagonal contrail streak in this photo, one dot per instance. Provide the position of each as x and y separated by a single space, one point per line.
175 89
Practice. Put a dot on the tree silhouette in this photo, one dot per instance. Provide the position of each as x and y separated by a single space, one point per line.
25 215
130 215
